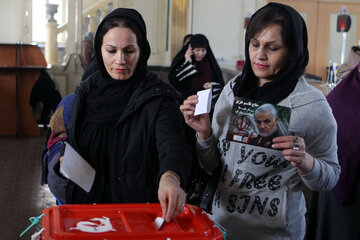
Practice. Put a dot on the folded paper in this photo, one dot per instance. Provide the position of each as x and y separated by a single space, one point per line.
204 104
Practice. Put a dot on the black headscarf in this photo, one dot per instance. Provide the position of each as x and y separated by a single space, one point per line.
285 82
199 40
187 38
140 31
109 97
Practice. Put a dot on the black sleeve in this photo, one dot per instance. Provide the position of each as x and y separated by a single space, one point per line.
173 149
216 90
179 75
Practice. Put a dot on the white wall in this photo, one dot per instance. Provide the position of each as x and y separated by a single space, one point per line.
154 13
222 24
11 21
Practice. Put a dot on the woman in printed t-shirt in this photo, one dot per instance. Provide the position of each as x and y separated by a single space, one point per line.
259 192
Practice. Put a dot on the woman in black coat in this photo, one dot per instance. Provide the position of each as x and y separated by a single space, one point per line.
125 122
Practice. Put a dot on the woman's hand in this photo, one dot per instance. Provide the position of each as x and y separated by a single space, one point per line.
171 196
294 151
200 123
207 85
188 54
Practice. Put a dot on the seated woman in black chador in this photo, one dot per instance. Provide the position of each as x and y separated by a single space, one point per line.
45 91
195 68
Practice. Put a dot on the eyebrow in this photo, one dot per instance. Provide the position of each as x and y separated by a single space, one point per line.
130 45
268 42
266 119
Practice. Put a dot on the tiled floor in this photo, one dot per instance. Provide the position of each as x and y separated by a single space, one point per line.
21 195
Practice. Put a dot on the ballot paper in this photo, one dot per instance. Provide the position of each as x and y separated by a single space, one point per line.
204 104
77 169
159 221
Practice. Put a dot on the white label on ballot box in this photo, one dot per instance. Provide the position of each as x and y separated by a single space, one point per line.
94 225
77 169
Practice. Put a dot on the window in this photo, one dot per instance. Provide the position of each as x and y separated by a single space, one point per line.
40 18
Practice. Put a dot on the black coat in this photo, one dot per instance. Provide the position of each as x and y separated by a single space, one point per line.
149 140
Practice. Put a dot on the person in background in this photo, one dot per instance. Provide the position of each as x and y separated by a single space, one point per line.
87 49
259 190
87 57
335 214
350 63
45 92
125 122
192 71
93 67
195 68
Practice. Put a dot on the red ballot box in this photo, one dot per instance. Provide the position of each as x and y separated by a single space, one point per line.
124 221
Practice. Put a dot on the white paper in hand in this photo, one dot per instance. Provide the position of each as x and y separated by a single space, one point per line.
204 104
77 169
